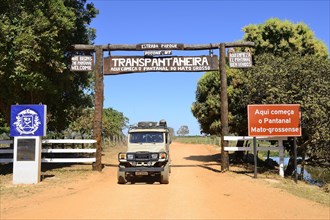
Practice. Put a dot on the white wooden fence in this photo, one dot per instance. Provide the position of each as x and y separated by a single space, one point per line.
279 148
47 150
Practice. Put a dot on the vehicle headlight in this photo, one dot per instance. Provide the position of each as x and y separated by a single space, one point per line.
163 156
154 156
130 156
121 156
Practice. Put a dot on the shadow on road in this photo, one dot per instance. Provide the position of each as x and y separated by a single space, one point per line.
6 169
205 158
110 165
143 180
211 168
204 166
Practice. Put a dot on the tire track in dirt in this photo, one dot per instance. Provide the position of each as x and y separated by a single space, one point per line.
197 190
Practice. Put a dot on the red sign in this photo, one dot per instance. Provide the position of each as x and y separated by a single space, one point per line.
274 120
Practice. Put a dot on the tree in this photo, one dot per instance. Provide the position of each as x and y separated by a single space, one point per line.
4 128
298 73
279 37
206 108
34 41
171 131
304 80
282 76
113 123
183 130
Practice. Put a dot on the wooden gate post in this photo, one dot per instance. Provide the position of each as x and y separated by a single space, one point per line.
224 109
98 99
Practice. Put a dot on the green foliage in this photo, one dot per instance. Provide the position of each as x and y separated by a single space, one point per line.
113 123
213 140
34 40
4 128
83 123
282 73
303 80
183 130
206 108
280 37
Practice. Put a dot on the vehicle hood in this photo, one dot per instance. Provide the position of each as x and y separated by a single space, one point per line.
150 147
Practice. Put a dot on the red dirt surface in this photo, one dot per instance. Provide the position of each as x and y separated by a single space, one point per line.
197 190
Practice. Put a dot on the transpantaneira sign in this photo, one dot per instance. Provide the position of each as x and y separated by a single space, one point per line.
274 120
131 64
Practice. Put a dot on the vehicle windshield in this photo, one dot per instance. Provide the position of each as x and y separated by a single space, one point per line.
146 137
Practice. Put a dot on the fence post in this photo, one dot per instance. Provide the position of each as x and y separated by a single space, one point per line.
281 154
255 157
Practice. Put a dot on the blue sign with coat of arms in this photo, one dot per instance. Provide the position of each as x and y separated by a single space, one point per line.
28 120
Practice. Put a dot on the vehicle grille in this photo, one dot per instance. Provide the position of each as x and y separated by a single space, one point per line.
142 156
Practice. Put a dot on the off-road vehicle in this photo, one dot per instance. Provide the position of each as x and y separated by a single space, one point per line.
148 152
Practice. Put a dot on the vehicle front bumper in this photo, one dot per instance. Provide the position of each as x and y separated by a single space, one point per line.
141 169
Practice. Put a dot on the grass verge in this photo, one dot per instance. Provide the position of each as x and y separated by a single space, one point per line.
301 189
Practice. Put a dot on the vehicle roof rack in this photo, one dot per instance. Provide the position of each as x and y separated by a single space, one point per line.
149 124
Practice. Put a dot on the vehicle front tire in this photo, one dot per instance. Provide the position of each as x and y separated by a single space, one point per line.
165 175
121 177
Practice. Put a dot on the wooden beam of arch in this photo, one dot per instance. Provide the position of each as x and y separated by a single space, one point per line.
133 47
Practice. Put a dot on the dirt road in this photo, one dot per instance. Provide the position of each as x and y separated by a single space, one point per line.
196 191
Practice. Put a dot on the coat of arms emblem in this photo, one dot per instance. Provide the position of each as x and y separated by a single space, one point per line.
27 122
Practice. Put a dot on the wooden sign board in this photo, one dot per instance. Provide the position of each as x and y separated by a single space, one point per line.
157 52
81 63
274 120
240 60
130 64
159 46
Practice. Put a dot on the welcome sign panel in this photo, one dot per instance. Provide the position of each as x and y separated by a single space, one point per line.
124 64
274 120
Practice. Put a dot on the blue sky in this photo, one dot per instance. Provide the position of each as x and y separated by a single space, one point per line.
167 95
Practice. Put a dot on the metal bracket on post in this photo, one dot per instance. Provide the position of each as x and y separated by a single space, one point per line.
109 53
211 51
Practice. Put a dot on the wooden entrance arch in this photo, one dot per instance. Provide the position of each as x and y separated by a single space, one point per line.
99 84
